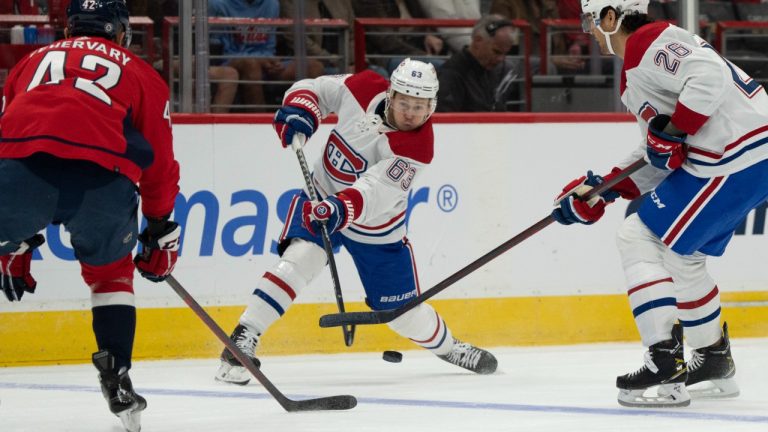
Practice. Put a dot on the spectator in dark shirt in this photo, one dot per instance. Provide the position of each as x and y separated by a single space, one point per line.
479 78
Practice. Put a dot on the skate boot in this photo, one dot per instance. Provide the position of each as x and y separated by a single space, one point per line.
664 367
231 370
471 358
118 390
712 368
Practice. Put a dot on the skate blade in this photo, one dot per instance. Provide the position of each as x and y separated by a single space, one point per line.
232 374
668 396
715 389
131 420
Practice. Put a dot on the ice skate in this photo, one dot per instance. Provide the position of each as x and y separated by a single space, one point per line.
471 358
664 369
711 371
231 370
117 389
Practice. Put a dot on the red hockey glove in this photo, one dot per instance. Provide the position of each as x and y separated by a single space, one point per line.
160 249
335 212
299 114
15 278
664 151
572 209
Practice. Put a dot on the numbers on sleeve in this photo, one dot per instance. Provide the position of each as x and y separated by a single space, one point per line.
52 67
167 112
401 172
663 57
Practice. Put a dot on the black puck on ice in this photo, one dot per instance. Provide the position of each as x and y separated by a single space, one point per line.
392 356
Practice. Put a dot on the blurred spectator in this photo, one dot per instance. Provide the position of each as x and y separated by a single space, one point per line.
24 7
534 11
398 47
479 78
455 37
251 49
316 44
223 94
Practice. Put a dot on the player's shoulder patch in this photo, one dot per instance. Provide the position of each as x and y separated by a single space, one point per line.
365 85
418 144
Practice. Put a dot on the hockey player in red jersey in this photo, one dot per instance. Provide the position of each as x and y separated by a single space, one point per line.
704 124
382 141
85 129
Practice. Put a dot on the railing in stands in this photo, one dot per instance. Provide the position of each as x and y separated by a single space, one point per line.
170 34
362 25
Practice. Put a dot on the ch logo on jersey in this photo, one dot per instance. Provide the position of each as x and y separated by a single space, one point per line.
647 112
341 162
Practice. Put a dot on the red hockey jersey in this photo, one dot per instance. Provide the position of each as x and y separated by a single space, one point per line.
87 98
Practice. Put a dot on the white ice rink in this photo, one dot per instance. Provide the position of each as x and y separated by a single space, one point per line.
537 389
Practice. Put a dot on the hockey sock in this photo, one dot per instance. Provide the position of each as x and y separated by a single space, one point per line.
426 328
279 286
114 328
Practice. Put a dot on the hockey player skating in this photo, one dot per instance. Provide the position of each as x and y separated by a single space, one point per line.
85 128
705 128
383 139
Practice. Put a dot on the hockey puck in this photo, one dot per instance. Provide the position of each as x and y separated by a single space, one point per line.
392 356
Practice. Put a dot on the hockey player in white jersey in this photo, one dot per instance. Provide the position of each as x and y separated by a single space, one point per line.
704 127
382 141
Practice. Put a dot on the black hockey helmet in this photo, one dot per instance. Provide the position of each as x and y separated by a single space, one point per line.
103 18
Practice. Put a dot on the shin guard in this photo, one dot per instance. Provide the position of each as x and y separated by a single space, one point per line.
275 292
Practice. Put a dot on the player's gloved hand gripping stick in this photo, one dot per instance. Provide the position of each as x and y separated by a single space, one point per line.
385 316
296 145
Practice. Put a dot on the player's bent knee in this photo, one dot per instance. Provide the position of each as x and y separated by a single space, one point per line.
637 243
305 257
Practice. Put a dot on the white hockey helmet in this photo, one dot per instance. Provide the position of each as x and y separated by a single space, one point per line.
590 10
414 78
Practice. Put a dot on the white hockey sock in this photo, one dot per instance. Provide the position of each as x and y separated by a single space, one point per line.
652 299
698 299
424 326
278 287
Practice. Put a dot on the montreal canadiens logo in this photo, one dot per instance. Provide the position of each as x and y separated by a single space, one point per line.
322 210
341 162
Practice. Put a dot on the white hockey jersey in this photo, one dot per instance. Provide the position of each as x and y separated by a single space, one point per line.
362 152
668 70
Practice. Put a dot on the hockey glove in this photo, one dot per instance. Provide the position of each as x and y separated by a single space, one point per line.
299 114
665 151
15 277
571 208
334 212
160 248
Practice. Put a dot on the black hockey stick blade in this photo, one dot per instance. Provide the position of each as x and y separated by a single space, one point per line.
385 316
338 403
354 318
342 402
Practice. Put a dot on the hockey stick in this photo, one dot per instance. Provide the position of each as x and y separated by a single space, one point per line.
385 316
349 333
342 402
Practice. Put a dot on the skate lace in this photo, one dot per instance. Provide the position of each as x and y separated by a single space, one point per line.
697 359
464 355
648 364
247 341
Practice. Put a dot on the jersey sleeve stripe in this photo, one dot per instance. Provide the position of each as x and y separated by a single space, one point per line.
688 120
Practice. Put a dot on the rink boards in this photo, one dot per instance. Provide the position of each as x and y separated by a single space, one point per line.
491 178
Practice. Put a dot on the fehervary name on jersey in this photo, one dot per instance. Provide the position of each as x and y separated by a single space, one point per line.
87 44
